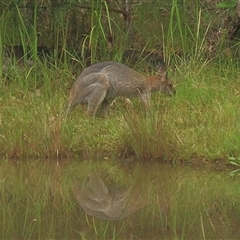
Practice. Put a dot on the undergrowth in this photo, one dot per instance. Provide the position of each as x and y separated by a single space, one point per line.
201 120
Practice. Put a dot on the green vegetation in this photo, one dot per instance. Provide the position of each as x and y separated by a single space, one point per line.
201 121
235 162
45 151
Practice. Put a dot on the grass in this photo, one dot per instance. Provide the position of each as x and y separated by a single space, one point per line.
201 120
44 151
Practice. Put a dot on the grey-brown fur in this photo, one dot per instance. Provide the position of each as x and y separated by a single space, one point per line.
100 83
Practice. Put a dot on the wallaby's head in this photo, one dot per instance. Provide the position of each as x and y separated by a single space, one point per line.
165 85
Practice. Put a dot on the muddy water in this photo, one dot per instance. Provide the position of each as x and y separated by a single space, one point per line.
114 200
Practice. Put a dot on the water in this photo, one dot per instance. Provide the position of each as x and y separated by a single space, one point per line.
113 200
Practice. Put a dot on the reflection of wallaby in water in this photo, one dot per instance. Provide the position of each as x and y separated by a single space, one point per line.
107 203
100 83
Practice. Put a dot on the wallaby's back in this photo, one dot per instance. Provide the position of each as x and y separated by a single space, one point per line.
123 80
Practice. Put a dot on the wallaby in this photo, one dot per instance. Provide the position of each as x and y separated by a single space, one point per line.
100 83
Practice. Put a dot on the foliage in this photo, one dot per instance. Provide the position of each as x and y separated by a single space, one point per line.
35 86
227 4
235 162
39 140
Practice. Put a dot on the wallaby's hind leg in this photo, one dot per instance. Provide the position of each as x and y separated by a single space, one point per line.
97 94
95 99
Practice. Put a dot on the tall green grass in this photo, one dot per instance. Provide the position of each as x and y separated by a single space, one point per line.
201 121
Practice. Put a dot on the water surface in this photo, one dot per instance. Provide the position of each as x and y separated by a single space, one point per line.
115 200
